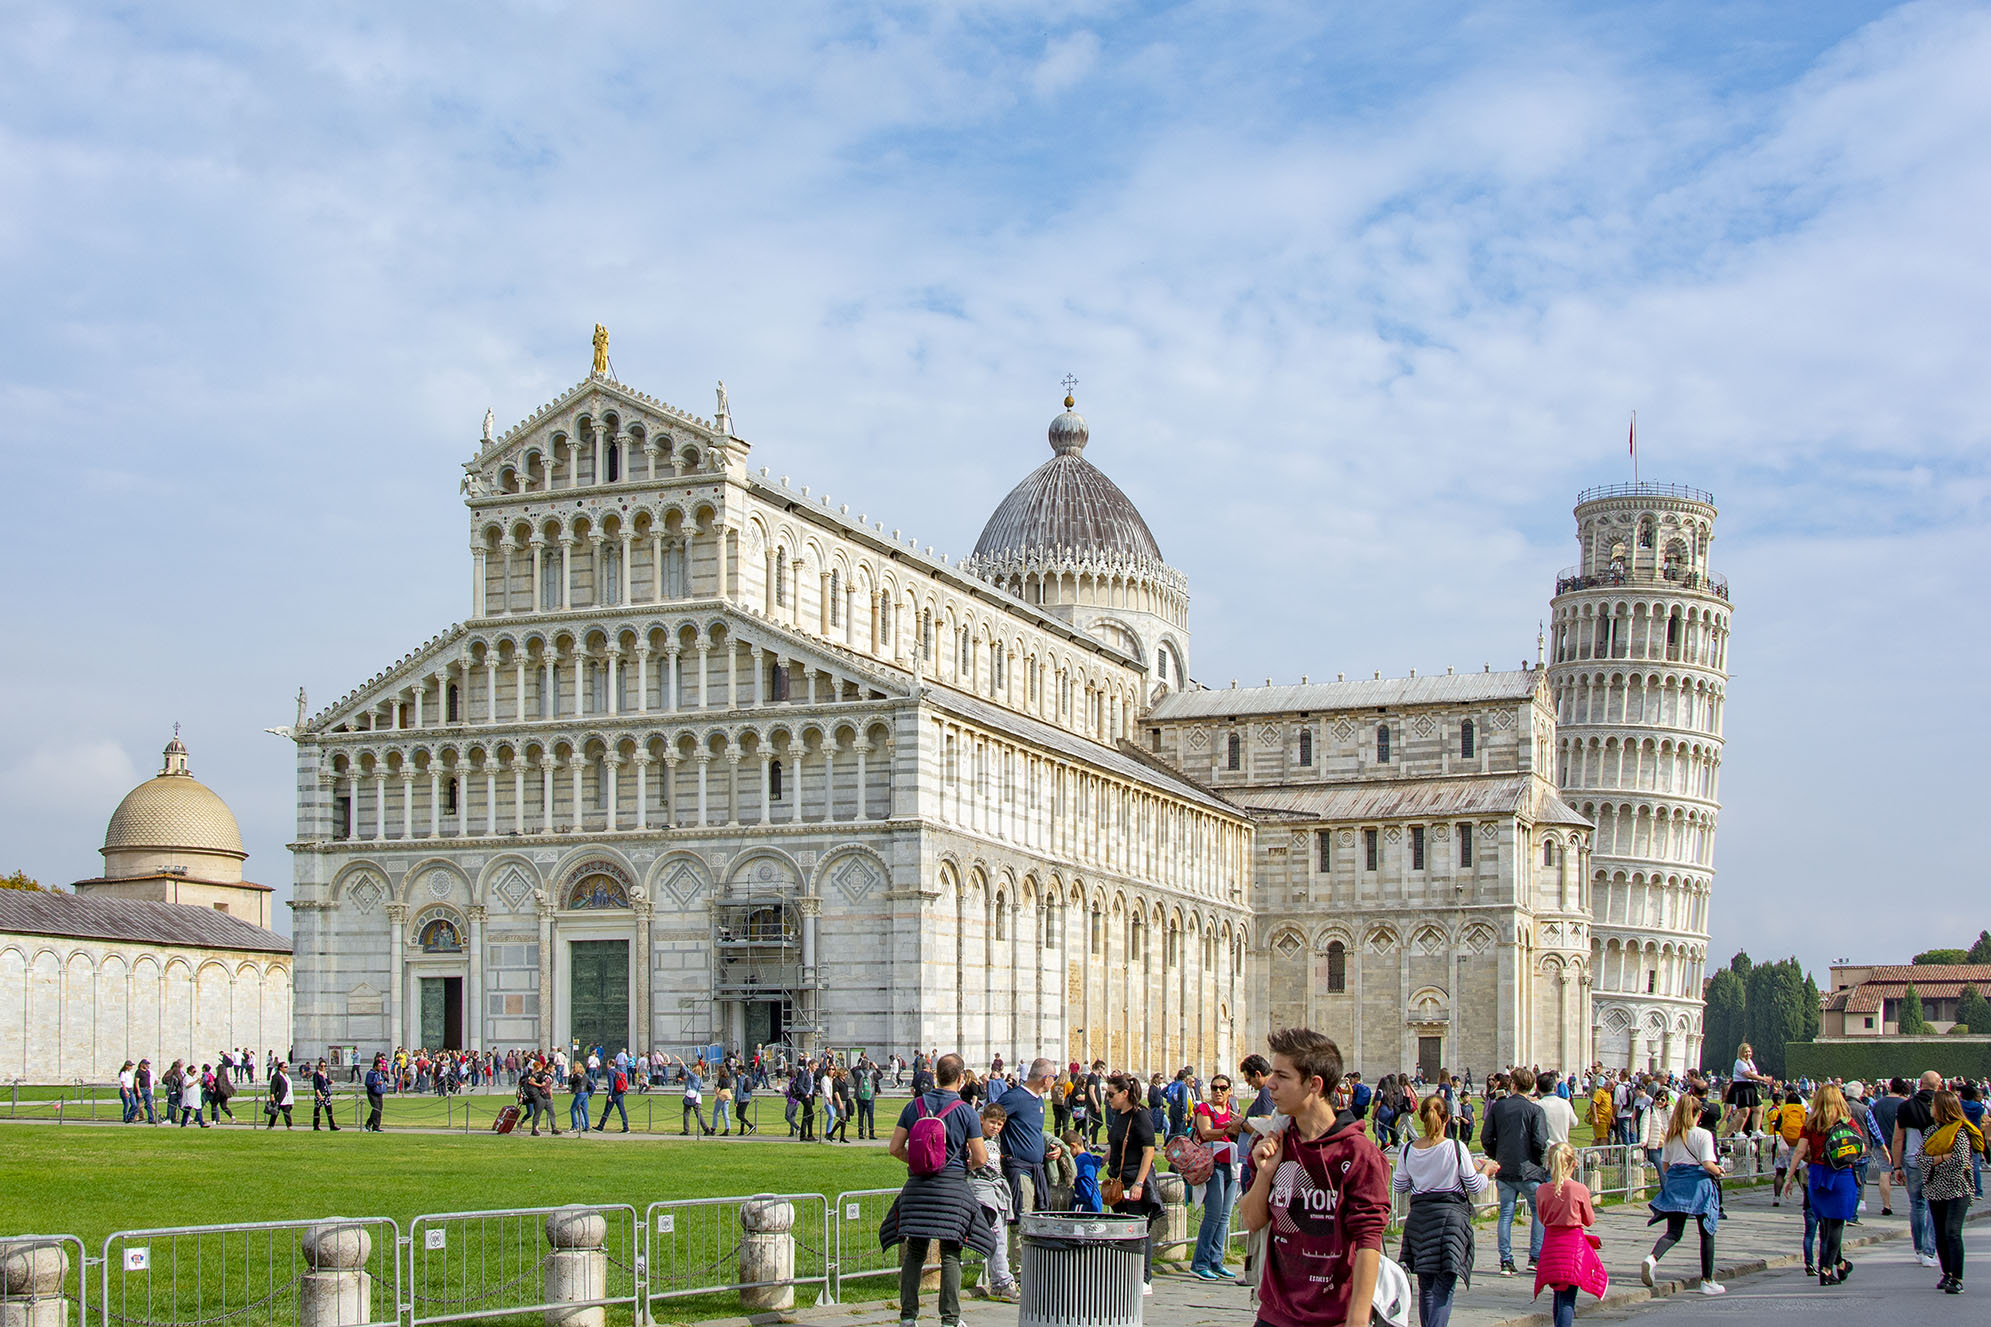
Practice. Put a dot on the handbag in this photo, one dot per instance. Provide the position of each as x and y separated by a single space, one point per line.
1111 1191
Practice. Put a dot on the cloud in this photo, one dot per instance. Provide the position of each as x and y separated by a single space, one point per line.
1067 60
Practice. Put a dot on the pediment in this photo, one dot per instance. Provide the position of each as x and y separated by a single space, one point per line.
592 398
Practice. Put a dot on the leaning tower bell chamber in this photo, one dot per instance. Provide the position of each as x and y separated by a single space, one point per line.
1638 670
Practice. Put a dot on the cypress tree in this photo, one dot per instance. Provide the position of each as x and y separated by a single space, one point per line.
1722 1022
1910 1022
1814 1018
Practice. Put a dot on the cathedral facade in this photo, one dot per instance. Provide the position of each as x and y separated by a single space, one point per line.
712 761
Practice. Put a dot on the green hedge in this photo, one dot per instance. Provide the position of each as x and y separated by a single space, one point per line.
1889 1057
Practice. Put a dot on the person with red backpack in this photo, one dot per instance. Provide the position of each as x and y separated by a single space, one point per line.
618 1087
939 1137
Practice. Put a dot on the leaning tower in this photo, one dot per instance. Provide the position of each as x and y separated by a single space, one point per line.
1639 671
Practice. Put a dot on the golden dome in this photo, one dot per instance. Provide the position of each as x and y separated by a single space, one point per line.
174 811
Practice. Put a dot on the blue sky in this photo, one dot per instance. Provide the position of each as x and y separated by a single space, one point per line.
1359 298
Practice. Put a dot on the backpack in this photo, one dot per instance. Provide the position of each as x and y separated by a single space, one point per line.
1843 1146
621 1084
1190 1159
926 1141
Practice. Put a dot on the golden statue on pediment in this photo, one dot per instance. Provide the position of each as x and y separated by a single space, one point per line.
601 349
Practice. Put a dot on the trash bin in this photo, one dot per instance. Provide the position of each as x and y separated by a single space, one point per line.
1081 1269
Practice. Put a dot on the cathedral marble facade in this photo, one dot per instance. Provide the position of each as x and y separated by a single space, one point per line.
711 760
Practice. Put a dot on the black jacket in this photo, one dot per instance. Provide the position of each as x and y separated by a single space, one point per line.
1516 1134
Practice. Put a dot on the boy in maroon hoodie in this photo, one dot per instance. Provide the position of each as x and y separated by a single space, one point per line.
1323 1187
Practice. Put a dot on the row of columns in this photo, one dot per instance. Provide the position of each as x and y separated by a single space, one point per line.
1628 699
1591 764
670 570
354 786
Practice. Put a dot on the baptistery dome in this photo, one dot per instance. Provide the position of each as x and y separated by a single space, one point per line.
1067 503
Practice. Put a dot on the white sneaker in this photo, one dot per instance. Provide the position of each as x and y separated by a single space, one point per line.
1863 1207
1926 1260
1646 1269
1713 1288
1147 1288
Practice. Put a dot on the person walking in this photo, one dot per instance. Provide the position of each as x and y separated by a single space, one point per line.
539 1083
281 1096
142 1082
1323 1189
1911 1123
1439 1174
377 1080
939 1139
722 1102
1949 1149
616 1076
1216 1124
1831 1194
1889 1097
1569 1260
803 1084
1691 1189
743 1101
846 1104
580 1085
1516 1136
865 1093
321 1097
694 1103
224 1088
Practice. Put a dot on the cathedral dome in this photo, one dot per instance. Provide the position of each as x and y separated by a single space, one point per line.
173 811
1067 503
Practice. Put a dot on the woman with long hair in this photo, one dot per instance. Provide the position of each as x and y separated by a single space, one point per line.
1568 1261
1832 1193
1439 1174
1948 1149
1691 1188
1130 1157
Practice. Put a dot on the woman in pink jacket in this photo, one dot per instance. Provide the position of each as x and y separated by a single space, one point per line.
1569 1259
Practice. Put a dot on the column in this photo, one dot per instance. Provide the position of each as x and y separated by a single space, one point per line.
704 764
566 572
611 765
600 594
407 805
538 571
435 803
643 677
518 794
811 908
656 561
733 785
639 963
704 658
473 986
756 664
507 546
379 804
766 782
547 764
732 673
614 665
421 692
669 789
829 779
397 916
478 553
719 591
649 460
578 766
547 994
490 799
863 811
642 790
519 700
625 590
671 678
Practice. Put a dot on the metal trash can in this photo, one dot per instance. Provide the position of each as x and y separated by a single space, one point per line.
1081 1269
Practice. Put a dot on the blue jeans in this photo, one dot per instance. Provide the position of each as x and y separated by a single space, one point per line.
1511 1193
1565 1306
1810 1228
1211 1237
1920 1227
577 1113
1434 1298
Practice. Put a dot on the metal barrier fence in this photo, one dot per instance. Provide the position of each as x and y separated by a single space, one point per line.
332 1272
465 1265
38 1273
859 1214
763 1246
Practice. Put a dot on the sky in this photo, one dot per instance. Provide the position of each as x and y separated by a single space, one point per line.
1358 298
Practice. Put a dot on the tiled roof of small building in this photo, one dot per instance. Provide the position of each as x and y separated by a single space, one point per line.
26 912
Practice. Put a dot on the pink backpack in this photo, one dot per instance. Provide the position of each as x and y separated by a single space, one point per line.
926 1141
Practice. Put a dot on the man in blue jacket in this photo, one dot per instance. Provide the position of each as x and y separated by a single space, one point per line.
1022 1141
376 1092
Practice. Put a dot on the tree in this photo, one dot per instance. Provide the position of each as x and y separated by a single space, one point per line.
1774 1014
1974 1009
21 880
1981 951
1814 1016
1740 964
1944 957
1722 1022
1910 1022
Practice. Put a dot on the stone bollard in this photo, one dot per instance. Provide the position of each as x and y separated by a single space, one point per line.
1173 1229
31 1276
337 1292
577 1269
767 1253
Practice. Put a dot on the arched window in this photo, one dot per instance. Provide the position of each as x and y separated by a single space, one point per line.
1233 752
1137 941
598 890
1323 844
1053 923
449 701
1001 918
1337 967
1382 744
614 462
1098 930
1306 746
439 936
1467 736
781 577
774 781
926 634
777 680
1161 665
449 796
1548 852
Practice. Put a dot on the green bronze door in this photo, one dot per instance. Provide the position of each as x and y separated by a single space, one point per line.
598 993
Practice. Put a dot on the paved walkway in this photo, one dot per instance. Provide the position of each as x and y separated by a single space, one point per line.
1755 1236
